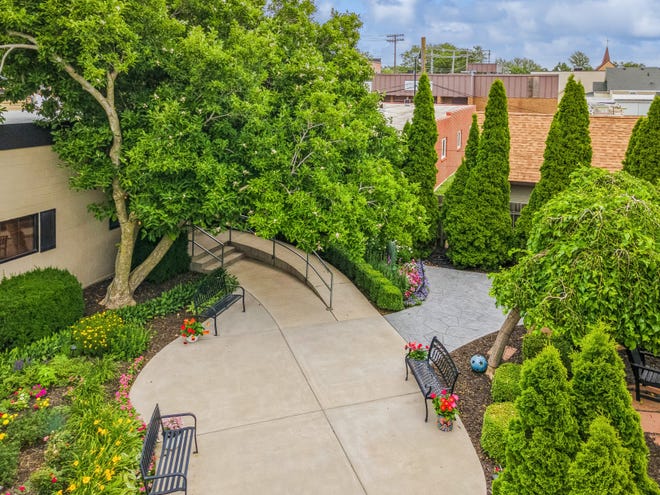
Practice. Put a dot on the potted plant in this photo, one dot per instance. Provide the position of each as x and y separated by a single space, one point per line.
192 330
446 407
417 351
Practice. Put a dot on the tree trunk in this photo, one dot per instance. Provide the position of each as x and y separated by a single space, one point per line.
503 335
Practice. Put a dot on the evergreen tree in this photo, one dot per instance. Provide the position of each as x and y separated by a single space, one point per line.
452 204
543 439
643 154
602 465
567 147
599 388
485 227
420 167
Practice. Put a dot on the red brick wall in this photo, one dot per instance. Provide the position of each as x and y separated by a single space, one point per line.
448 128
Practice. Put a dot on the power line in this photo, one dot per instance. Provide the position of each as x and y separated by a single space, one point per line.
394 38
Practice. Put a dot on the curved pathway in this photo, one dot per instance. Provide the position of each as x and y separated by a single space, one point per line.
294 399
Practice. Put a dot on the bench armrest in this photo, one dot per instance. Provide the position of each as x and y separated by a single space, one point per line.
180 415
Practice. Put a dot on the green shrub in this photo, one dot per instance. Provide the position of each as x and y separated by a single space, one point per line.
38 304
564 345
9 452
533 343
506 383
378 288
175 261
495 430
129 341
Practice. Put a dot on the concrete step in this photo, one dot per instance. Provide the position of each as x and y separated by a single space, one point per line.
205 263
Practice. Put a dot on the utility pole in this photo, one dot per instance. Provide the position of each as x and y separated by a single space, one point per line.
423 55
394 38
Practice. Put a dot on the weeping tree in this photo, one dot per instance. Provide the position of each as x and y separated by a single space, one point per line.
593 255
567 147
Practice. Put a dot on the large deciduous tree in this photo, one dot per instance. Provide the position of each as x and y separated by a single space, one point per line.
486 221
643 154
128 117
593 255
567 147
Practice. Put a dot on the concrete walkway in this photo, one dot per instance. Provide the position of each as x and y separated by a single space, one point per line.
458 310
294 399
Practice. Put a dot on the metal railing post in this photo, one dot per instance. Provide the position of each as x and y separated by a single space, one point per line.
306 267
192 227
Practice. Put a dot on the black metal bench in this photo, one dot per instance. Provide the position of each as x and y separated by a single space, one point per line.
213 296
643 371
168 472
435 373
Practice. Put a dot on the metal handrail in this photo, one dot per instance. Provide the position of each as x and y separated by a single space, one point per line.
194 243
308 265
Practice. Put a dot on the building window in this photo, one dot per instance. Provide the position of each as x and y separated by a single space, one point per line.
459 140
443 149
27 235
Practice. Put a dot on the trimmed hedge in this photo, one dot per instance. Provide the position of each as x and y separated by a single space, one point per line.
495 430
534 342
175 261
38 304
506 383
373 284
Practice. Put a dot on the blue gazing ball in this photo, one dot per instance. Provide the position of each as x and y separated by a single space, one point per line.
479 363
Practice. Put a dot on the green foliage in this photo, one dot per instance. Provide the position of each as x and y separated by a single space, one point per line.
602 464
495 430
129 341
483 233
420 168
175 261
9 456
37 304
453 203
544 438
599 389
370 281
594 254
533 343
567 147
643 154
506 383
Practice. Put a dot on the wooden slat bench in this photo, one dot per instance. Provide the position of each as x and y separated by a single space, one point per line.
168 472
435 373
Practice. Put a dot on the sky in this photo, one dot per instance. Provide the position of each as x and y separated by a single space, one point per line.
546 31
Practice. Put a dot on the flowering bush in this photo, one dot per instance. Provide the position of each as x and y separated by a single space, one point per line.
92 335
417 283
445 404
192 328
416 350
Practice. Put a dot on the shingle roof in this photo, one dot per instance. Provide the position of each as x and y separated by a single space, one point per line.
609 141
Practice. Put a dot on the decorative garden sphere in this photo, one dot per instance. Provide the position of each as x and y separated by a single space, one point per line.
479 363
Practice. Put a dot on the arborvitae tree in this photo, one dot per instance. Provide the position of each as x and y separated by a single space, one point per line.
567 147
643 154
485 230
543 439
602 465
599 388
452 204
420 167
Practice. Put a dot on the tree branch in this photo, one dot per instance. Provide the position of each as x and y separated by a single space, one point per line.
12 46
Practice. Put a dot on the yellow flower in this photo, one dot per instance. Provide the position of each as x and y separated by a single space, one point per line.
2 436
101 487
116 459
96 421
75 463
86 479
72 487
5 422
118 443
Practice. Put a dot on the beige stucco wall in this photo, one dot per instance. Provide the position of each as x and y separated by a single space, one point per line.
31 182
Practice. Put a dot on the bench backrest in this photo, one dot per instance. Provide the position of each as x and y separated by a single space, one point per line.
442 361
150 440
210 287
